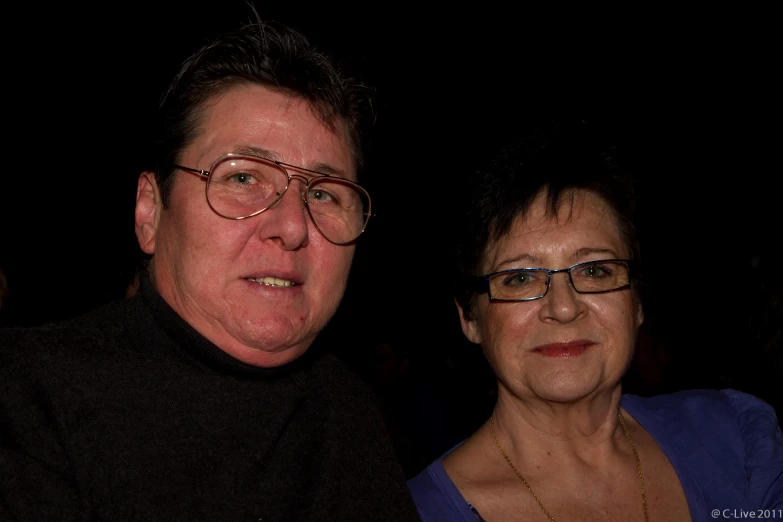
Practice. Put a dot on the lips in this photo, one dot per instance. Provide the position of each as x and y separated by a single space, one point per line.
273 281
569 349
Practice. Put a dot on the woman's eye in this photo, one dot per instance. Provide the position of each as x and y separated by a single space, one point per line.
595 271
517 279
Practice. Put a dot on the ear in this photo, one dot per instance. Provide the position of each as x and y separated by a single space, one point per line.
639 314
469 326
148 208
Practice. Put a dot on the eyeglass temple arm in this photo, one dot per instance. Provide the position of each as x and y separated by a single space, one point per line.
202 173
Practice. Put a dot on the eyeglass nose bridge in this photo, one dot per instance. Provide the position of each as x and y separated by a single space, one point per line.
549 278
305 184
303 195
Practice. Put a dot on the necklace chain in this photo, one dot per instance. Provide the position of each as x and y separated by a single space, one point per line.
635 454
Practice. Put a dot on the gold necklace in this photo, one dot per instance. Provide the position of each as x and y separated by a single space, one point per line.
633 447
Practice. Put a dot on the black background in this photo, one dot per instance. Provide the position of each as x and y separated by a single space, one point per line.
689 98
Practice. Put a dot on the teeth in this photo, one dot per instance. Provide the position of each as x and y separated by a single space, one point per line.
272 281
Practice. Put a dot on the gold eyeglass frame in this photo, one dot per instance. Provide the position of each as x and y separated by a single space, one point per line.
205 175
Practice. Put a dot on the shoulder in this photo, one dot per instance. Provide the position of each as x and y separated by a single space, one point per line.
705 407
430 484
434 494
721 436
91 324
729 415
337 381
355 434
60 346
345 398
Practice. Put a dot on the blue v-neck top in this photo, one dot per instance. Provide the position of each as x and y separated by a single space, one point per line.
726 447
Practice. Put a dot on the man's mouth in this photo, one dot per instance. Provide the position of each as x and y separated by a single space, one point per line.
272 281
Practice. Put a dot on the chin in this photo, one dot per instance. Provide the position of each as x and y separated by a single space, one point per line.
272 340
264 358
565 388
273 334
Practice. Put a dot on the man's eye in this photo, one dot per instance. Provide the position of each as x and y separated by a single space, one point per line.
243 178
320 195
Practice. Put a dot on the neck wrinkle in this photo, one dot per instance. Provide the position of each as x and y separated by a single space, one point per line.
539 430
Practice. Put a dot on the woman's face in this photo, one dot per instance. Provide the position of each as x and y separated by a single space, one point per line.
564 346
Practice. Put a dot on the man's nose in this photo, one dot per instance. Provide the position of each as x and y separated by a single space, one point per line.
286 221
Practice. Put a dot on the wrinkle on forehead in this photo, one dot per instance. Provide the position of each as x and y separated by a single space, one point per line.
330 119
542 217
283 109
542 220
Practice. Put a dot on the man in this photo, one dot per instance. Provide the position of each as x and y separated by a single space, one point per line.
197 398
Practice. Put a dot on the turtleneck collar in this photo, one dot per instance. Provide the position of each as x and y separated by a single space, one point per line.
172 336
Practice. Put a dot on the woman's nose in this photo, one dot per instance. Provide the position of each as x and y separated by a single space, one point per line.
561 302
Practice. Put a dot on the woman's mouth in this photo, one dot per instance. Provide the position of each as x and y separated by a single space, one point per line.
569 349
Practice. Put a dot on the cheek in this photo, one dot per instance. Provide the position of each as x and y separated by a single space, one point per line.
202 251
212 243
191 228
506 326
618 320
342 260
505 333
333 264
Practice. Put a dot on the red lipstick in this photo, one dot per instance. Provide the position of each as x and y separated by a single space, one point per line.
569 349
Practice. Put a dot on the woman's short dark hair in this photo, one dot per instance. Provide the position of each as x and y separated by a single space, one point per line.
269 54
555 160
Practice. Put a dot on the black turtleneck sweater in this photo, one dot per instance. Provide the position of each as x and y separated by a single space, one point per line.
127 413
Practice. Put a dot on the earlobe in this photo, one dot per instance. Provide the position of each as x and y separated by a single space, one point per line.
469 326
148 206
639 314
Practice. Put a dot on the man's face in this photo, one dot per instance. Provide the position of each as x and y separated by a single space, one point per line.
209 268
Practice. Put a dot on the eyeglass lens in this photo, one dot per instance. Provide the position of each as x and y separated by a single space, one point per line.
590 277
240 187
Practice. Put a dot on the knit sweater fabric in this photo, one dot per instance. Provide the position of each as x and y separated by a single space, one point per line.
127 413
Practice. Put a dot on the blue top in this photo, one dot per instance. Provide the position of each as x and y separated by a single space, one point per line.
726 447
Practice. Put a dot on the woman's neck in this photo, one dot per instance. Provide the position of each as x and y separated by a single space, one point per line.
584 430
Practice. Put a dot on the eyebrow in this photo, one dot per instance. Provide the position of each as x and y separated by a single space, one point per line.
579 254
248 150
517 260
584 252
321 168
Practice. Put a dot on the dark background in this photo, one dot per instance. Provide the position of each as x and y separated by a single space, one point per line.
690 100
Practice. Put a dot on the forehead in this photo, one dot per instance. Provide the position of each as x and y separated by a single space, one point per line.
249 116
583 224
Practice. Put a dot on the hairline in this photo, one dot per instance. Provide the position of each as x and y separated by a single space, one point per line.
552 207
196 119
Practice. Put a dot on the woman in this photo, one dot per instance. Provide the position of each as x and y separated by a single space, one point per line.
548 286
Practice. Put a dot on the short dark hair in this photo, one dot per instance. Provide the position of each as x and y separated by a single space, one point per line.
269 54
555 161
